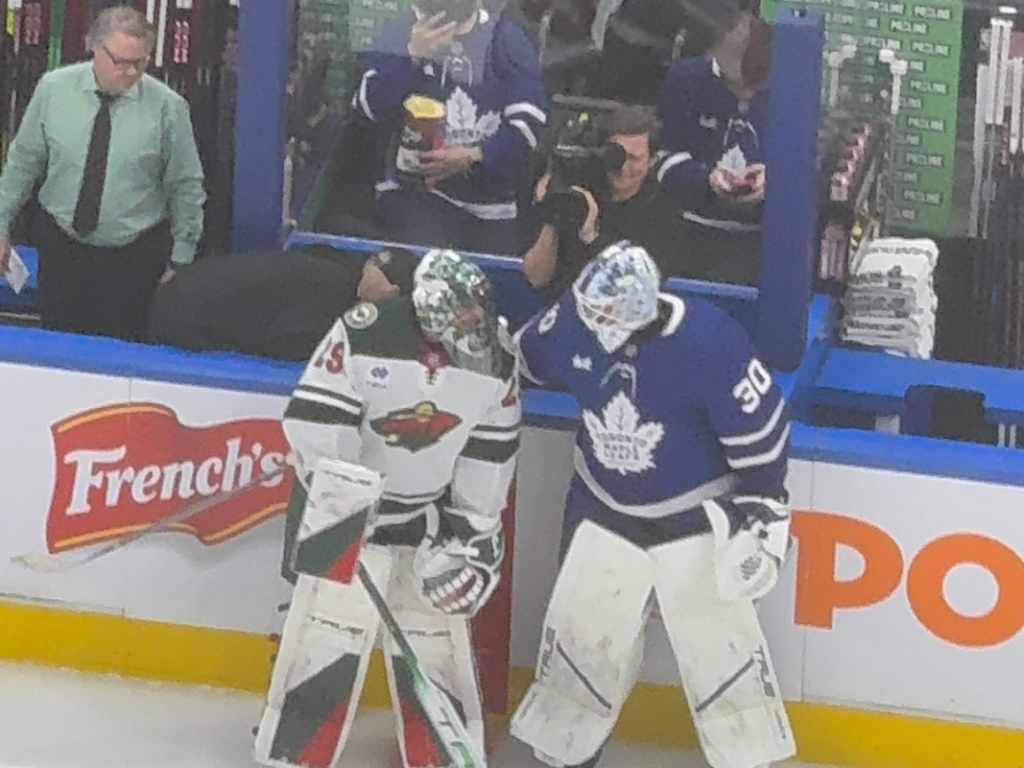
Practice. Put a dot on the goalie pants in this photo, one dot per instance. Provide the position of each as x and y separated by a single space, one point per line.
325 650
593 639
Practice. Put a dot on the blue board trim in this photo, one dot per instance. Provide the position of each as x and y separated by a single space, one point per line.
876 382
110 357
544 409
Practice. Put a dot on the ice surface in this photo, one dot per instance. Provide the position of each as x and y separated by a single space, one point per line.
63 719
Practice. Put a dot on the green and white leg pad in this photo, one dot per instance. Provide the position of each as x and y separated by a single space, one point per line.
320 670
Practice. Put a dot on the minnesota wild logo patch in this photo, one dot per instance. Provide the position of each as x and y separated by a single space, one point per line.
415 428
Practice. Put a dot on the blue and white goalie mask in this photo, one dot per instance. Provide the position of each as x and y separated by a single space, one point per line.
455 306
617 293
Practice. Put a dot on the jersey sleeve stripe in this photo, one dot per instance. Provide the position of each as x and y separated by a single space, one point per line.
753 437
671 162
760 459
364 102
495 431
327 397
526 108
528 134
492 451
320 413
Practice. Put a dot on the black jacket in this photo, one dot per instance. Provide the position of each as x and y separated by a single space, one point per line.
273 304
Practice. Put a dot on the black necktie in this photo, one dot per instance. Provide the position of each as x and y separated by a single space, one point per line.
87 212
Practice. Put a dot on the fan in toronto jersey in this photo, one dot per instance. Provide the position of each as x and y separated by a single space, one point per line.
422 390
676 501
481 72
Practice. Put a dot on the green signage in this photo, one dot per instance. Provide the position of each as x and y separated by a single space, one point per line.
927 34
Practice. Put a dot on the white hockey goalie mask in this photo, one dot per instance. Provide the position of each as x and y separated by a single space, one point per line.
617 293
455 305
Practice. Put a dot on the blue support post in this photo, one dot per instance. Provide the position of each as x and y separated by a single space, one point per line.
264 46
789 221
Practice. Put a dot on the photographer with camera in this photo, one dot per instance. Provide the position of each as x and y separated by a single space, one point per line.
598 190
714 108
457 100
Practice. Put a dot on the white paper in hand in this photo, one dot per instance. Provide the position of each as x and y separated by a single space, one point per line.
16 272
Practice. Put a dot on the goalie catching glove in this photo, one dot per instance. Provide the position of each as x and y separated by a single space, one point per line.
459 577
751 542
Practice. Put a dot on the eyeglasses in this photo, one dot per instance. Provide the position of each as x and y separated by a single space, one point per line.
139 65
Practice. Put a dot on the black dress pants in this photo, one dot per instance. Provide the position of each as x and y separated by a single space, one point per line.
97 290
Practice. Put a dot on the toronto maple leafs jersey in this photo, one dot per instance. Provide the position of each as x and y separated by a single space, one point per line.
670 421
489 81
703 120
376 393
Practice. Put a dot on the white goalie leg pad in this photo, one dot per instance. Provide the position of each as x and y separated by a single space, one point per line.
340 508
723 660
443 645
321 666
591 647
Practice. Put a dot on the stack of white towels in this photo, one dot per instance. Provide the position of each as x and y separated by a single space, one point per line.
890 298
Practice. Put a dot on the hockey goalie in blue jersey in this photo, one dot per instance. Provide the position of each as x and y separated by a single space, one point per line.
483 74
677 500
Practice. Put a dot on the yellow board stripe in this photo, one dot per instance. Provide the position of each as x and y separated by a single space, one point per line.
657 714
654 714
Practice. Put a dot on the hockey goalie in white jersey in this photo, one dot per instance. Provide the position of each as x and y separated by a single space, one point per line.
677 501
423 394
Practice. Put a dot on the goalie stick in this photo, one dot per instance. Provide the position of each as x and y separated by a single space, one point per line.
449 731
46 563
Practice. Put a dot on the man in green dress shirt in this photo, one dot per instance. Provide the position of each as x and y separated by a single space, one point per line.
121 191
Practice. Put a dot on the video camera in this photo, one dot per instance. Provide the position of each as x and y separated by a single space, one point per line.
583 157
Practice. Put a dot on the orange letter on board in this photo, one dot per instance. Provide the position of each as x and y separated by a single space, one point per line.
928 601
818 593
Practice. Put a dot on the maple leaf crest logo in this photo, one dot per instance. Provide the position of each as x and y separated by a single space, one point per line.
621 442
464 128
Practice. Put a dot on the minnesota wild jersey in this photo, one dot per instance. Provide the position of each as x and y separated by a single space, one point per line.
378 394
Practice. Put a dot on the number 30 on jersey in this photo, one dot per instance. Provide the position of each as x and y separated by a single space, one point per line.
752 387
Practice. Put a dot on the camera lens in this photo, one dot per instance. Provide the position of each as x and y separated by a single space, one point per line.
614 156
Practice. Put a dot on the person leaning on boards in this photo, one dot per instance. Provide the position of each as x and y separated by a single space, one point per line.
121 195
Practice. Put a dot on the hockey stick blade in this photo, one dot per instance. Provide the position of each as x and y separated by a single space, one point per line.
45 563
443 718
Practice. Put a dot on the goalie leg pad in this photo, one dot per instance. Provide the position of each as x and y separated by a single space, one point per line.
443 646
591 647
320 670
340 508
723 660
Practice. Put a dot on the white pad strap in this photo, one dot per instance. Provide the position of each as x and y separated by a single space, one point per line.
591 647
